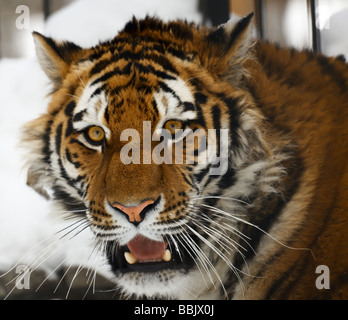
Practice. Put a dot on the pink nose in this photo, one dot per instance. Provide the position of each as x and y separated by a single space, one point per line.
133 212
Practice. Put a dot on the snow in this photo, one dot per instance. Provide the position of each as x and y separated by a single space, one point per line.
22 97
102 19
333 38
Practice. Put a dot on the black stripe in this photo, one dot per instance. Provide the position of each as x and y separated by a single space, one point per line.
201 98
241 26
200 176
99 67
113 108
188 106
200 117
271 208
178 53
107 114
135 57
46 139
80 144
144 69
71 182
233 114
211 178
71 204
228 179
70 108
70 128
162 61
177 29
117 71
189 182
78 116
58 141
216 114
155 108
116 90
58 137
330 69
97 91
165 88
147 69
98 52
64 174
217 36
69 112
69 158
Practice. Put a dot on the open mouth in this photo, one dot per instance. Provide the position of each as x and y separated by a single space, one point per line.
142 254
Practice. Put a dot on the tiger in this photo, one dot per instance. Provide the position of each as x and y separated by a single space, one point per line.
259 219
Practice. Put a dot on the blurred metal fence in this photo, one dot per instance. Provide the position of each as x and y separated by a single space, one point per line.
288 22
216 11
12 39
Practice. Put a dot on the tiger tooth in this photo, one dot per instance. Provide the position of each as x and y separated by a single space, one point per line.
130 258
167 256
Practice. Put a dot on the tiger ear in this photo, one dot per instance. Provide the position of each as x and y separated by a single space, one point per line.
227 47
55 58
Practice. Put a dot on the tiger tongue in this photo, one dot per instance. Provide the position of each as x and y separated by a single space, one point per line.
144 248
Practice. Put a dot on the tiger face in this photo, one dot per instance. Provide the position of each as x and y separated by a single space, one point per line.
113 147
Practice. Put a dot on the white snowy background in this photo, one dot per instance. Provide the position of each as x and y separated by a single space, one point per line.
24 219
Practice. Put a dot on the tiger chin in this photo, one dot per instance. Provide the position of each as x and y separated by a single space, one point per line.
123 144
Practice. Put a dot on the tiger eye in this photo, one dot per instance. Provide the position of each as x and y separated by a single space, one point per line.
172 125
96 134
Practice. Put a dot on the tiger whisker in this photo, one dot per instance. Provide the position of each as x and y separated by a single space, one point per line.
233 217
229 242
50 274
202 258
228 246
99 247
199 254
85 224
78 271
207 262
62 278
208 231
72 95
59 241
225 226
36 245
32 266
80 79
221 255
222 198
68 211
44 254
80 221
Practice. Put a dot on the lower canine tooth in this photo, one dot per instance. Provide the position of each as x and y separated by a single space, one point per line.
167 255
130 258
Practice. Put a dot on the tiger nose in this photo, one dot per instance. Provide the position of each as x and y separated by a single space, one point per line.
133 213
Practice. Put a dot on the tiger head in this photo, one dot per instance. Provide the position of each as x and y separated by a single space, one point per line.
113 145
